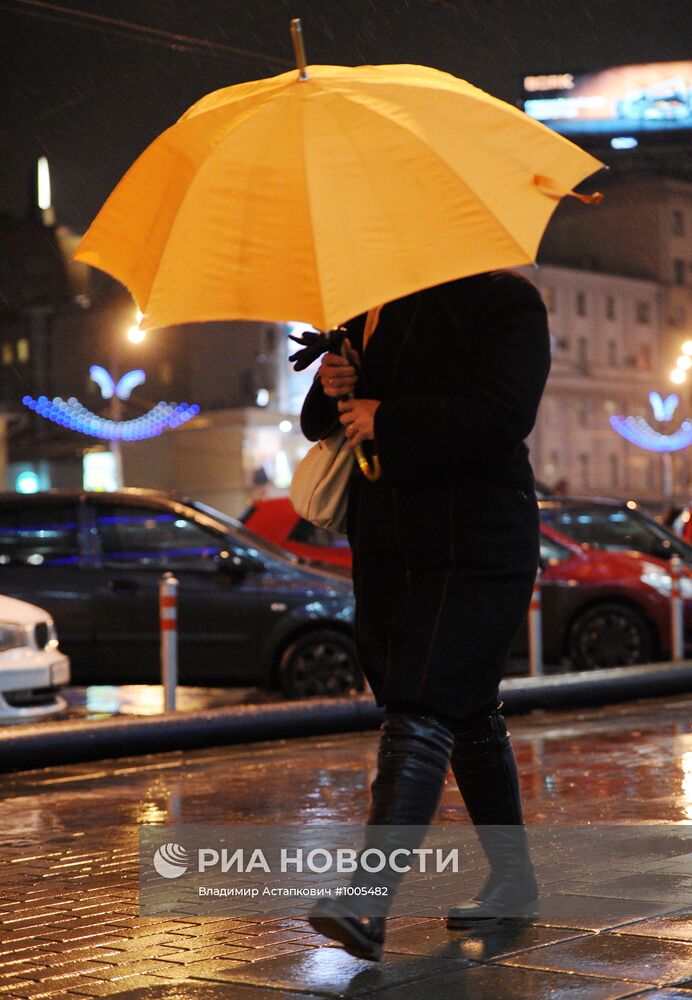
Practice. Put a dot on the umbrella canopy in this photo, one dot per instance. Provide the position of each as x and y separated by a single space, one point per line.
316 197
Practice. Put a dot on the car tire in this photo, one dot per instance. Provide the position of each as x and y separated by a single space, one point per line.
609 635
320 664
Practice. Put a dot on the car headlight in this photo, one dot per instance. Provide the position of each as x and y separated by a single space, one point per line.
12 636
662 582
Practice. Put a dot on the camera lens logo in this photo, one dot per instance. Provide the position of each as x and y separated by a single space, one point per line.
171 860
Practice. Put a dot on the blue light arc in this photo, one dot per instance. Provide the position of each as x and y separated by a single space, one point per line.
640 432
76 417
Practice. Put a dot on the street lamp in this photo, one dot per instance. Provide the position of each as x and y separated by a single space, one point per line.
683 364
135 335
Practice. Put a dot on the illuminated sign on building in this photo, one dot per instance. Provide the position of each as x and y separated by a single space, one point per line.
72 414
651 97
640 432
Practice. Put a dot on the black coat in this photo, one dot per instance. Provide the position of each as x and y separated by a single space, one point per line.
445 547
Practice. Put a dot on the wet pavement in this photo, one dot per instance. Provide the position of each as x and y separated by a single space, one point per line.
69 854
103 701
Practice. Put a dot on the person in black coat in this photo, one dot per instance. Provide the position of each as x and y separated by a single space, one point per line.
445 552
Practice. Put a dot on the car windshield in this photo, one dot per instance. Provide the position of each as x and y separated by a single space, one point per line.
249 538
614 529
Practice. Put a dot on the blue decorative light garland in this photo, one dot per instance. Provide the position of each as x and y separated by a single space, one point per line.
639 432
71 414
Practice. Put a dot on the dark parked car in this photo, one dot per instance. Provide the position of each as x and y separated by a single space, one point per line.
249 612
613 526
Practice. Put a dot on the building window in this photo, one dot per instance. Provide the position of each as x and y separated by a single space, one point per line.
549 298
581 303
583 413
614 464
644 357
678 222
584 471
7 354
22 349
643 312
582 350
678 271
610 307
612 352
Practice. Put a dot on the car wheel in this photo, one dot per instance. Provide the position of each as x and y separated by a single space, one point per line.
320 663
609 635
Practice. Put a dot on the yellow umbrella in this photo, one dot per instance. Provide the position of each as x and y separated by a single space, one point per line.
316 195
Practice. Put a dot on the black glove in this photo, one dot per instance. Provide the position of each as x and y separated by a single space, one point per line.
315 344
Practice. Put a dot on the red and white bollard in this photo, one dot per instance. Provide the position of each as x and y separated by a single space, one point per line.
677 643
535 628
168 620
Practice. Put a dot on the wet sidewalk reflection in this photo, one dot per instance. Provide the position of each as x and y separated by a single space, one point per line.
70 872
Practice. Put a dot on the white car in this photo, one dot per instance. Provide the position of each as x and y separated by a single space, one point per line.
32 667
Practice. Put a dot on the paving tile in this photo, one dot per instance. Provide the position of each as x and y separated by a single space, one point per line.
194 969
596 913
670 888
495 982
152 941
682 864
668 994
333 973
631 959
220 950
209 991
121 988
675 927
11 986
475 944
35 991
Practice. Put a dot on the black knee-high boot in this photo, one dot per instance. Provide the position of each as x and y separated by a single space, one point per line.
412 763
486 773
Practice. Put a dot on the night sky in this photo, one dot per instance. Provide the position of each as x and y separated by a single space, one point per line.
91 99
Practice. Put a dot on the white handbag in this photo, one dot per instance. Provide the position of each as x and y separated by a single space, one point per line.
319 489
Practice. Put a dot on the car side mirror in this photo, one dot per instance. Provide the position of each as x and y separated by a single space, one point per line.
237 565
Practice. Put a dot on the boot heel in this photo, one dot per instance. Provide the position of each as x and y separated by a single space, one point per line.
360 938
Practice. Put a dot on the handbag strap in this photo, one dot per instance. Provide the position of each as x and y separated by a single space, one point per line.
371 322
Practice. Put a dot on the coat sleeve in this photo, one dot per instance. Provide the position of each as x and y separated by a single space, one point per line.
319 415
419 436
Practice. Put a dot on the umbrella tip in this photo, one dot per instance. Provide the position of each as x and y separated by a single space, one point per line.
298 48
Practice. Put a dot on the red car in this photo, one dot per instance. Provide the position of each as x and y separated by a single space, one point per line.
277 521
600 608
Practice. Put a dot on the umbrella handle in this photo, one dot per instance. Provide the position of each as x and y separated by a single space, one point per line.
372 472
